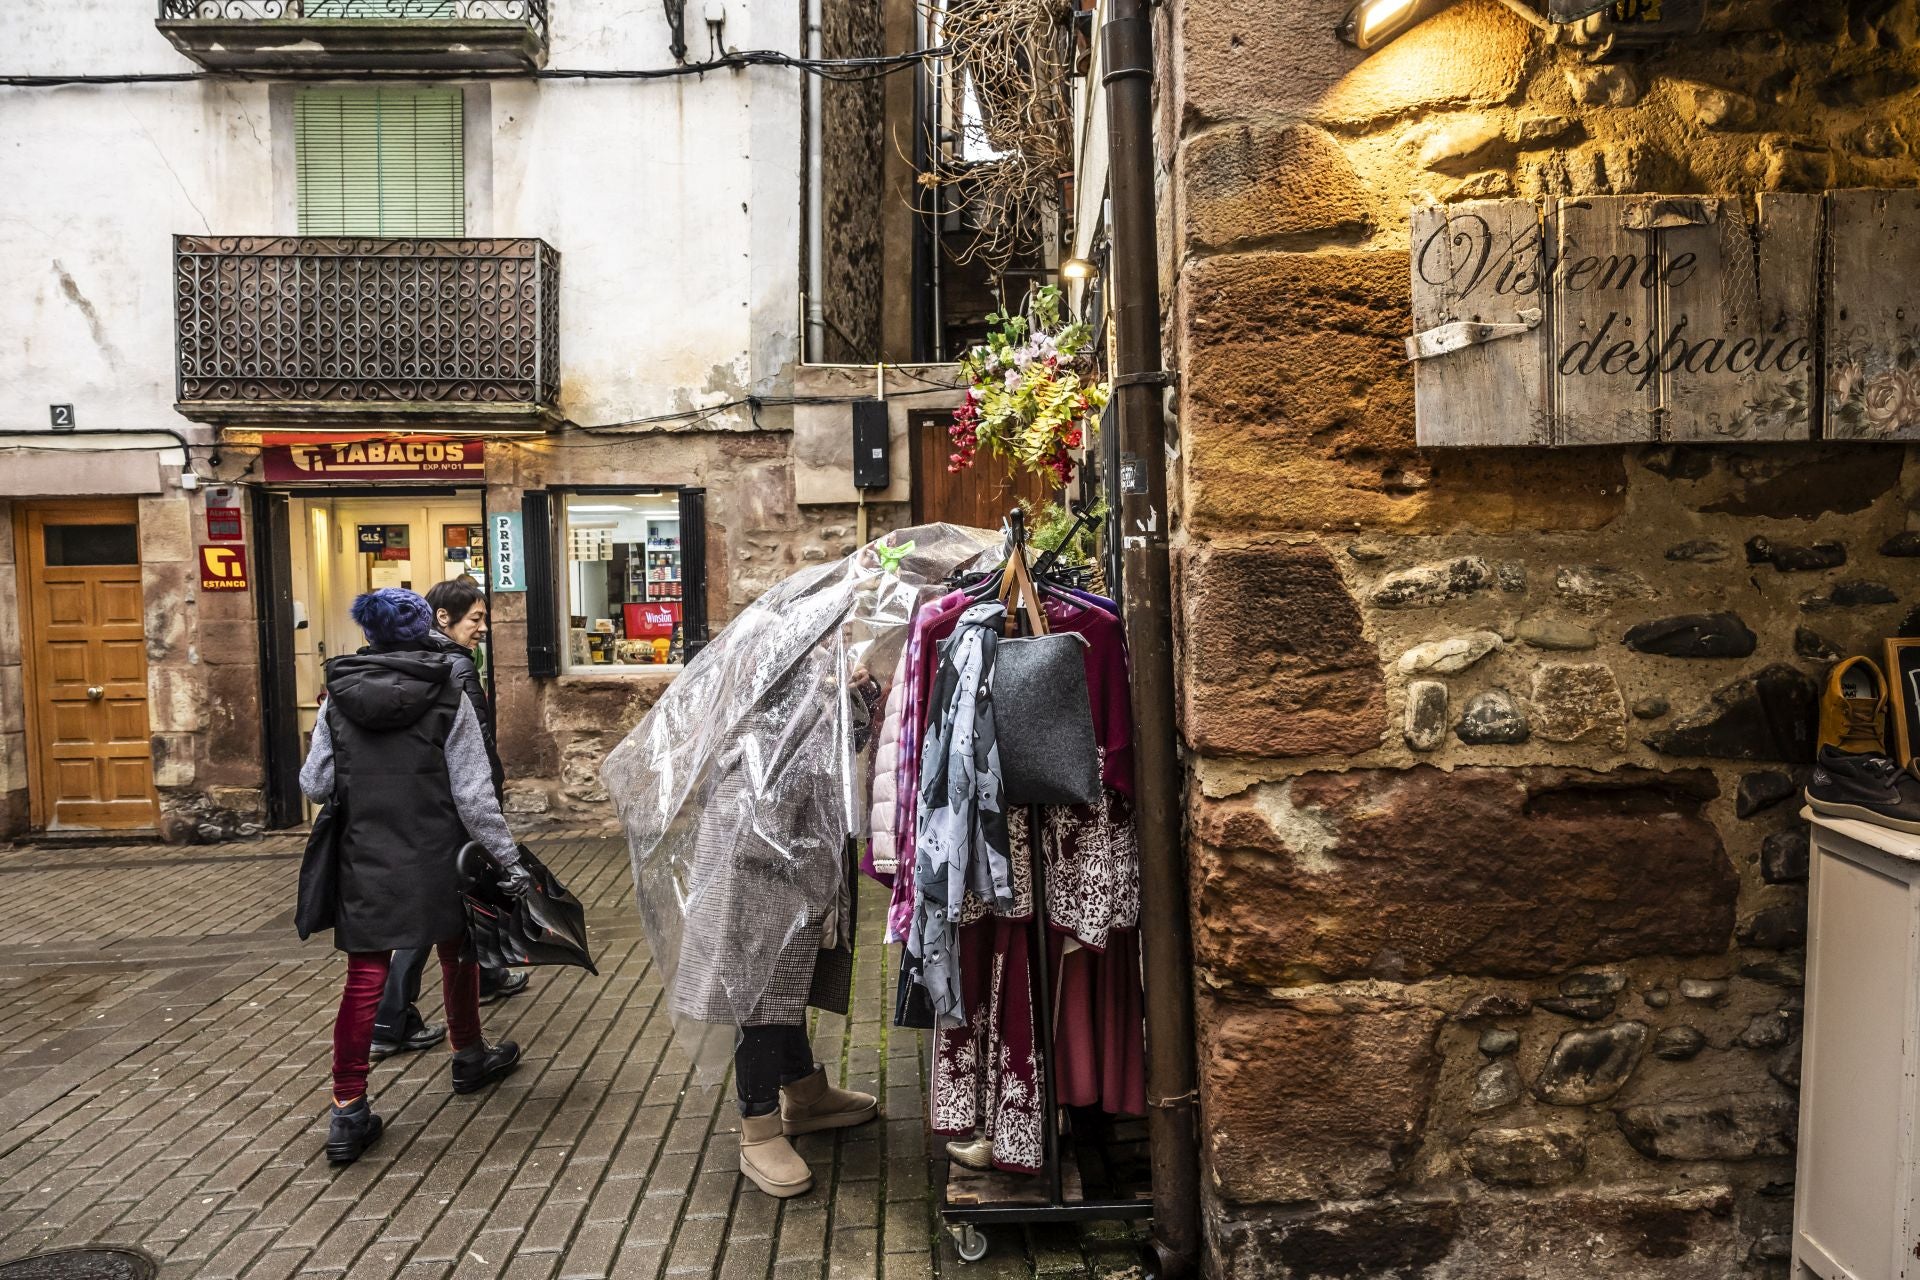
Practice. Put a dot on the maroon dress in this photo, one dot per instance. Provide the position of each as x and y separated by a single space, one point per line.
987 1074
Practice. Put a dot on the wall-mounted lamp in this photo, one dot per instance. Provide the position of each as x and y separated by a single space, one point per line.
1372 23
1076 269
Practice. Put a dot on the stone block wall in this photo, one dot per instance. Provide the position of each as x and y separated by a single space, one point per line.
853 120
13 691
1498 878
203 675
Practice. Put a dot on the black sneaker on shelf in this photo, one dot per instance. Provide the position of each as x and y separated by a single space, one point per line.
421 1036
476 1067
509 985
1871 788
351 1130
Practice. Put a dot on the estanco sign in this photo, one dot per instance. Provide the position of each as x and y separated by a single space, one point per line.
376 459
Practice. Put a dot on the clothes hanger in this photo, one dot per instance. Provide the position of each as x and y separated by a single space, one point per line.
1017 589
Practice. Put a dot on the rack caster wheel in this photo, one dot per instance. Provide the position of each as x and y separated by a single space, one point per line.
969 1242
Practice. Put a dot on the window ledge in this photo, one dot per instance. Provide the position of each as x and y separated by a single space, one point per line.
662 672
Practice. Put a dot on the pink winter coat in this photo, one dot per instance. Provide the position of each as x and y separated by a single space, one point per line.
882 845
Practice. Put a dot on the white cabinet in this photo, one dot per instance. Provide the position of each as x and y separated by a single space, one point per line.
1855 1212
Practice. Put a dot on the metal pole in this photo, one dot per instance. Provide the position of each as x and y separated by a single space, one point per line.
1166 945
938 159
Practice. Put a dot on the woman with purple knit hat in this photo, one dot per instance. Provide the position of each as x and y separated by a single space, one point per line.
400 750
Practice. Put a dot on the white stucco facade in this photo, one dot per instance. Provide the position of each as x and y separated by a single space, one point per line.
674 204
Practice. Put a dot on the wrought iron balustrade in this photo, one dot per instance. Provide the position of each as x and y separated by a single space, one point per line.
533 13
301 326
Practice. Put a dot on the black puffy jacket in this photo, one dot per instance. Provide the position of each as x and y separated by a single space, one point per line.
389 715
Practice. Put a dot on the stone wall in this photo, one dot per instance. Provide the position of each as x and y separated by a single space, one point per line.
13 691
203 681
853 114
1498 879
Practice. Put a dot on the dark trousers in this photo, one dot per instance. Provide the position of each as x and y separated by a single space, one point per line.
398 1016
366 979
765 1059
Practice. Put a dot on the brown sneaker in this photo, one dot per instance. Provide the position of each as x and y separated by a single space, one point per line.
1853 708
811 1104
770 1160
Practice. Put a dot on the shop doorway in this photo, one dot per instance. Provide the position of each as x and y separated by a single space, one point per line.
325 548
90 762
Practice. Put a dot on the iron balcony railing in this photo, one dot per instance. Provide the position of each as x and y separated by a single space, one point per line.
531 12
318 324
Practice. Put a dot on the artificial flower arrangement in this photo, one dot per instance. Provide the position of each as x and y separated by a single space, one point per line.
1031 390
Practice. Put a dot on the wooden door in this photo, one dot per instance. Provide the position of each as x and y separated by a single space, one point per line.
978 496
92 766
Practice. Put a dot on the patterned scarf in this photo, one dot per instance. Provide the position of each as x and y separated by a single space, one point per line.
960 836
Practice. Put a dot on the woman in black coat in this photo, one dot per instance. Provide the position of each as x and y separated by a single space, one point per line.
399 750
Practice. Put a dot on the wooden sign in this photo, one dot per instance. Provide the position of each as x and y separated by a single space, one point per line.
1611 319
1873 316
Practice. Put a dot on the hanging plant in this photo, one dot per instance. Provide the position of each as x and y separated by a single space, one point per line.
1031 390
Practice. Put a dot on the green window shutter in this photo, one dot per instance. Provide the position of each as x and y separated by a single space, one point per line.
380 161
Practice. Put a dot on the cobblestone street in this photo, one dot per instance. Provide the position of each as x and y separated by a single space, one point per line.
164 1041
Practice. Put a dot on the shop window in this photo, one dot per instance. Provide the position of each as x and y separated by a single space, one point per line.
631 580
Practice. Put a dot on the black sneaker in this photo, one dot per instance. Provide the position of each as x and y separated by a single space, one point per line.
1871 788
421 1037
480 1065
352 1129
510 984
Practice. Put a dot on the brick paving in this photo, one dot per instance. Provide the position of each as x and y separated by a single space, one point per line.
164 1041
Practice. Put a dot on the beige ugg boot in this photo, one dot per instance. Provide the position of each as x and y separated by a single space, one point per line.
811 1104
770 1160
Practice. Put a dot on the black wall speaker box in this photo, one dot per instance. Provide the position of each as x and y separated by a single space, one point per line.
872 451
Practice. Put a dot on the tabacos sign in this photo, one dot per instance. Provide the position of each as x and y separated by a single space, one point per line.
377 458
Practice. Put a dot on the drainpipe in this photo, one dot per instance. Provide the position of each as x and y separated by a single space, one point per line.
816 343
1165 940
937 158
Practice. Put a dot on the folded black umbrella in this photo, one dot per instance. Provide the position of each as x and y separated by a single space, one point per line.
545 926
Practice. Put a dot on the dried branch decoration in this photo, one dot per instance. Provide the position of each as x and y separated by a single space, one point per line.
1016 58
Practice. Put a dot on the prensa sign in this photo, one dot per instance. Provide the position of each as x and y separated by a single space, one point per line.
397 458
1615 319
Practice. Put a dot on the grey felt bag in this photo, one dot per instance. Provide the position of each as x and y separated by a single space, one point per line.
1043 721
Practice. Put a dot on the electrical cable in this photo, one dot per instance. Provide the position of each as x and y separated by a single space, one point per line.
840 69
753 403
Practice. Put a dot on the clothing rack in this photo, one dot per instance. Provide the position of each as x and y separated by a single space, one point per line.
971 1200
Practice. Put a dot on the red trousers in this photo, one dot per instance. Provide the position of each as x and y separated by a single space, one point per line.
360 1002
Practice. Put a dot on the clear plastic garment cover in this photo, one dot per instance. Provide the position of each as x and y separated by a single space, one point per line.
740 789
